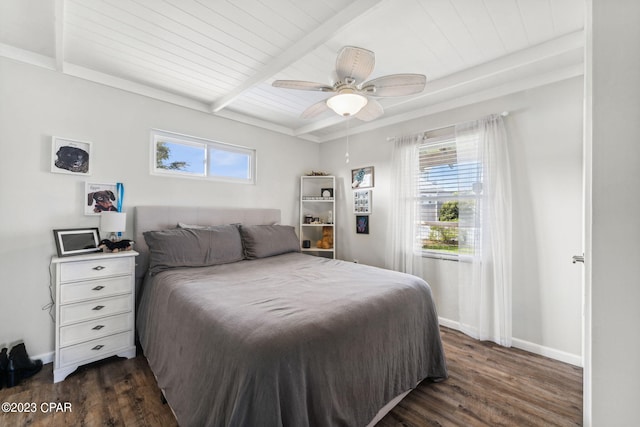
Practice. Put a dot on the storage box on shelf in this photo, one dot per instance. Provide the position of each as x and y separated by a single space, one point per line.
317 215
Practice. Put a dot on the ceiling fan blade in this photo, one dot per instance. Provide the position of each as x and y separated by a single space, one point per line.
302 85
315 110
371 111
395 85
354 63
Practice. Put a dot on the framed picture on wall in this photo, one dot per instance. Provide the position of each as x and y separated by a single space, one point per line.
362 177
70 156
100 198
362 224
362 202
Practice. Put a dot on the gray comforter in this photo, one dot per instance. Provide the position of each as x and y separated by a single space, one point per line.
290 340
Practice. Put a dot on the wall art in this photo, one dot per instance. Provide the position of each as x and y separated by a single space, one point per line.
362 224
100 197
362 177
70 156
362 203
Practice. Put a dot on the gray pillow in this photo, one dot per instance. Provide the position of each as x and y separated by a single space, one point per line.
262 241
183 247
196 226
203 227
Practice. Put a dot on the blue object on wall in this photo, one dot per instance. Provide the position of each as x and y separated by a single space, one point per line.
120 196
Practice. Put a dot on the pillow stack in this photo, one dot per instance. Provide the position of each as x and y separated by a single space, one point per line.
201 246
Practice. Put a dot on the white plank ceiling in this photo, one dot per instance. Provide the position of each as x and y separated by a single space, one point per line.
221 56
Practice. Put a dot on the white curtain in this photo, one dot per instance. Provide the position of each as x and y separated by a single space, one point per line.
485 224
403 253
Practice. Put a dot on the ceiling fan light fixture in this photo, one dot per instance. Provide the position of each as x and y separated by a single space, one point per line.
352 89
347 103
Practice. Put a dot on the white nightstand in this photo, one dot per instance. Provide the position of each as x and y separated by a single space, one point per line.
95 302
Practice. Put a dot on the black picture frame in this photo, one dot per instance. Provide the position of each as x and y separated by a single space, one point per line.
329 190
362 224
76 241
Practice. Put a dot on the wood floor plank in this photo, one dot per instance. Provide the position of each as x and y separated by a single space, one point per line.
492 385
488 385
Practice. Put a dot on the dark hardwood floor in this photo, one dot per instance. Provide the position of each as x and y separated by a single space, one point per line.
112 392
488 385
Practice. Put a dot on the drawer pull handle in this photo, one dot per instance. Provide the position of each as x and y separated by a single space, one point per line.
98 347
97 327
99 267
98 307
98 288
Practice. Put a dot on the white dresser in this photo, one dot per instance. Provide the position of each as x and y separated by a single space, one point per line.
95 302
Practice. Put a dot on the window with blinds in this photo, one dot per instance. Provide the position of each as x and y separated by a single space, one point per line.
449 184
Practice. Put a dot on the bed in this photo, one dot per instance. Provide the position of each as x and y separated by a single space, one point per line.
281 338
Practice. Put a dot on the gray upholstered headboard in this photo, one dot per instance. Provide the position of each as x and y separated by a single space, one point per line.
150 218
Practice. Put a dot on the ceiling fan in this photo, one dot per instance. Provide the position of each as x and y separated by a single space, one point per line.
354 96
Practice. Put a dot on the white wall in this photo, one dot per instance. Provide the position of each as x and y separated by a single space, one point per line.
36 104
544 126
612 391
545 131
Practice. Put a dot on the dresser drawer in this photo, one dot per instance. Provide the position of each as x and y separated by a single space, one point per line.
86 331
94 269
73 292
95 349
82 311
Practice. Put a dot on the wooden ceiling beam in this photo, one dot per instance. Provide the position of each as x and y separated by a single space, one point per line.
305 45
59 34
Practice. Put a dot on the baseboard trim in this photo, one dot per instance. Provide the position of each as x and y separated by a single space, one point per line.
449 323
45 357
552 353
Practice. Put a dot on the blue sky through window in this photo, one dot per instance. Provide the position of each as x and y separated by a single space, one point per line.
229 164
451 178
192 155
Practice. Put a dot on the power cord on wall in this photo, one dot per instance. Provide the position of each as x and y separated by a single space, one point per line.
51 304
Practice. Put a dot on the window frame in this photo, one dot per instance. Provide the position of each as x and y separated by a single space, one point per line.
432 138
158 136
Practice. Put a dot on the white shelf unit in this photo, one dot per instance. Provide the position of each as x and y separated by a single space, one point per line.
318 202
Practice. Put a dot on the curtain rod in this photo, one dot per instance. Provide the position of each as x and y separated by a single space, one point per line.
391 138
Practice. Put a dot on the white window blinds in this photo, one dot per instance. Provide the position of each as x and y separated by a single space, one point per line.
449 181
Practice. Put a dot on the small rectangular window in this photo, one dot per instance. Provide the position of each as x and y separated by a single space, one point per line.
181 155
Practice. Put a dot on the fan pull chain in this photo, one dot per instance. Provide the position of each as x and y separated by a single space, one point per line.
346 155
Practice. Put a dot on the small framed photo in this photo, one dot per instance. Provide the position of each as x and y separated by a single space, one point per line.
362 178
76 241
326 193
362 224
70 156
100 198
